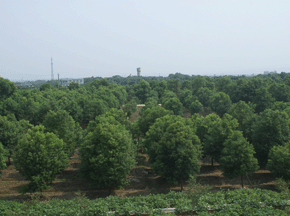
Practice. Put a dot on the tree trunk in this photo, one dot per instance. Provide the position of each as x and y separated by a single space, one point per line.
181 184
9 161
212 161
242 181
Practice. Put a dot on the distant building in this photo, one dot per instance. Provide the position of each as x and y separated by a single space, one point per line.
138 71
66 81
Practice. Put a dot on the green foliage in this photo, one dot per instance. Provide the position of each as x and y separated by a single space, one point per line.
167 96
174 85
7 88
204 96
175 156
263 99
196 190
11 131
237 157
186 84
107 155
131 106
39 156
279 161
73 86
244 113
195 107
237 202
218 131
270 129
149 116
45 86
3 157
113 116
62 124
142 90
220 103
175 105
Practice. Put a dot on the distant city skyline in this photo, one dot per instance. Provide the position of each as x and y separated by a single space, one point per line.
106 38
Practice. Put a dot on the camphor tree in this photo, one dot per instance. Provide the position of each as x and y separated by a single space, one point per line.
175 105
271 129
237 157
39 156
3 157
62 124
218 131
149 116
107 155
279 161
220 103
176 155
7 88
245 114
11 131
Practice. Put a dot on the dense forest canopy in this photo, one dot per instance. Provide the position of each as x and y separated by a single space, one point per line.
210 116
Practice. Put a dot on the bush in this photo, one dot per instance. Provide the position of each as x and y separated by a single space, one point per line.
39 157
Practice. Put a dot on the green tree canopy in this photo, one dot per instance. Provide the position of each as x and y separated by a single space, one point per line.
174 85
237 157
149 116
279 161
142 90
220 103
113 116
73 86
45 86
39 156
3 157
107 155
175 105
177 153
245 114
195 107
7 88
62 124
271 129
11 131
218 131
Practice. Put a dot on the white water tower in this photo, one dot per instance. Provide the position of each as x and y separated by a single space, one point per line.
138 71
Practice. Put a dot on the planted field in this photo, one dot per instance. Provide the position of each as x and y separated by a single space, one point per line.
141 181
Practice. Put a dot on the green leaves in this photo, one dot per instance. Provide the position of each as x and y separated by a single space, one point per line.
39 157
173 149
237 157
62 124
175 105
7 88
107 154
279 161
271 129
3 157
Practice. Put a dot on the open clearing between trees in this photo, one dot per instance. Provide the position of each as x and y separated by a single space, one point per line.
142 181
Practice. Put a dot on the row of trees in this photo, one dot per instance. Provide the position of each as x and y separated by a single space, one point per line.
237 135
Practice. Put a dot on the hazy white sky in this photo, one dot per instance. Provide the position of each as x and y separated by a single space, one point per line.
114 37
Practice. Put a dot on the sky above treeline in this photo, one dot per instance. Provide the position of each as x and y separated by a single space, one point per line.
103 38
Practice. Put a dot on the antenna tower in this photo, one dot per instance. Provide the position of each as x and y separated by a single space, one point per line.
52 78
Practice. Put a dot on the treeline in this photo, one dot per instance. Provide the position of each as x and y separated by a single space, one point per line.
240 122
